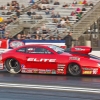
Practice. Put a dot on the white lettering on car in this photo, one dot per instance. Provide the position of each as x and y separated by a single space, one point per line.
52 60
35 60
45 60
95 71
80 49
41 60
90 70
30 59
74 58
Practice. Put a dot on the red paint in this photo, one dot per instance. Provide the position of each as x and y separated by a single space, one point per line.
4 43
53 63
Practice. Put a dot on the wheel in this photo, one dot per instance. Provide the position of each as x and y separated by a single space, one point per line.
74 69
12 66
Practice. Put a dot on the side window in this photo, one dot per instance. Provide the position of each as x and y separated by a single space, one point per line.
37 50
21 50
30 50
42 51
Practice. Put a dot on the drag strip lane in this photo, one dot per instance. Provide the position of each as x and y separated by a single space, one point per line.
51 80
48 87
57 88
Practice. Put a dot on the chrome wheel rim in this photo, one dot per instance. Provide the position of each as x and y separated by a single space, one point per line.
13 63
12 66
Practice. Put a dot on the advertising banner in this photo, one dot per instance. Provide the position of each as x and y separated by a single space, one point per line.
17 43
6 45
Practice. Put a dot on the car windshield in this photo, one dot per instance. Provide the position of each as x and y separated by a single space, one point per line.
94 57
67 50
57 48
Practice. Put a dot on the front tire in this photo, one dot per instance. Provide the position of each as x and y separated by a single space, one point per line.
74 69
12 66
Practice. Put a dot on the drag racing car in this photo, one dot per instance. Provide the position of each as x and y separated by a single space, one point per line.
50 59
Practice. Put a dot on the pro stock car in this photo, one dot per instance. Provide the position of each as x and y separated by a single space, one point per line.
50 59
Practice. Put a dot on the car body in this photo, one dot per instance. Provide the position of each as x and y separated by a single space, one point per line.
50 59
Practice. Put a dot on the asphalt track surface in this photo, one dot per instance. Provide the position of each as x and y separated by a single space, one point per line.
48 87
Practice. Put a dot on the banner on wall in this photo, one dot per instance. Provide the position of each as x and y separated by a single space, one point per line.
11 44
17 43
6 45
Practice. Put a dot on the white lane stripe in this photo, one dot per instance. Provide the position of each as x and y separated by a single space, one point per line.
60 88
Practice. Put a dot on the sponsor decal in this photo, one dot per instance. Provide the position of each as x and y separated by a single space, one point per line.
61 65
41 60
60 68
29 70
22 66
15 44
60 71
95 71
42 71
53 71
23 71
79 49
48 71
87 72
1 65
35 70
90 70
30 49
74 58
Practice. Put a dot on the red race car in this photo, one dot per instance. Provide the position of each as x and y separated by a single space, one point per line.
50 59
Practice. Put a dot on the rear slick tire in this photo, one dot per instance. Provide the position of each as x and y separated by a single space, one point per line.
74 69
12 66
